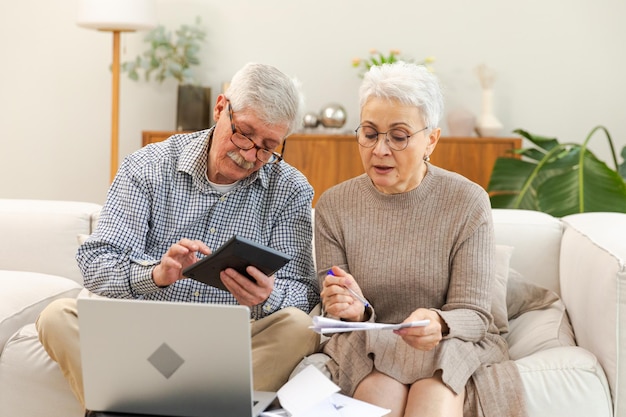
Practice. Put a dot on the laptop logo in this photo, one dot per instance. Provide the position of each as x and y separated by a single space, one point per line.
166 360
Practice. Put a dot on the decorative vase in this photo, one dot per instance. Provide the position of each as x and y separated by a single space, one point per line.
193 109
488 124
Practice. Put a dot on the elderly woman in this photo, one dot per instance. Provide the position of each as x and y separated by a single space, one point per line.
416 242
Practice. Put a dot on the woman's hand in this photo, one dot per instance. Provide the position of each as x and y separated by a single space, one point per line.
427 337
338 301
179 256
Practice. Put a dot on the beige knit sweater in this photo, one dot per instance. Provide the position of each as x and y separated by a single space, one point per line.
432 247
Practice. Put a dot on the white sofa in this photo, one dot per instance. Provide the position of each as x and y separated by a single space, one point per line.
38 242
580 257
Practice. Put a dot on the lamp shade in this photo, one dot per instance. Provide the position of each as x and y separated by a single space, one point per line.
117 15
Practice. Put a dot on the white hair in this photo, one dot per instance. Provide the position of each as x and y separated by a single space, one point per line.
410 84
269 93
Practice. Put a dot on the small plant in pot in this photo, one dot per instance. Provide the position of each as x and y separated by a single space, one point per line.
172 55
559 178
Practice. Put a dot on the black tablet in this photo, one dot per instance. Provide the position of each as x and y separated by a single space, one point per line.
238 253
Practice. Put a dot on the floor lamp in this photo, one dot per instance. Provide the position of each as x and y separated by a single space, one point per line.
116 16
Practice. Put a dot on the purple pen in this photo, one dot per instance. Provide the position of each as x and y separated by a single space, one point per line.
354 293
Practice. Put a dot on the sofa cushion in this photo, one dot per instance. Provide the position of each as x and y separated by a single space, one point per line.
318 360
82 238
536 237
30 379
564 382
30 293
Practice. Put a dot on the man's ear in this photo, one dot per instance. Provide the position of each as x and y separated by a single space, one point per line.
220 106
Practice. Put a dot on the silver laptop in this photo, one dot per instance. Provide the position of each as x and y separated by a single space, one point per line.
167 358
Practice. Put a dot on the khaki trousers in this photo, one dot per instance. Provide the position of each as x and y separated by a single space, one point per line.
279 342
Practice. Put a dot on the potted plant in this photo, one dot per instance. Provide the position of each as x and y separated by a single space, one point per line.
173 56
378 58
558 178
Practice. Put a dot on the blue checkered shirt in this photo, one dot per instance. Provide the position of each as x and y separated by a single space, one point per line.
161 194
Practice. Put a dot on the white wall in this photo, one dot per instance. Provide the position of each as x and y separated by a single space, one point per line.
559 64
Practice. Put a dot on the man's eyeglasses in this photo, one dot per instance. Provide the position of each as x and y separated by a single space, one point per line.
245 143
396 139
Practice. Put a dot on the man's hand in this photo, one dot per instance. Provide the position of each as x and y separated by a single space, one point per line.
246 291
179 256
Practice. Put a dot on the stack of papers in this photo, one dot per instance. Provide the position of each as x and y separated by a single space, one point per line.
311 394
324 325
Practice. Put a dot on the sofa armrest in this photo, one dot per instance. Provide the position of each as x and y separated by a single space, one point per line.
24 294
49 229
593 287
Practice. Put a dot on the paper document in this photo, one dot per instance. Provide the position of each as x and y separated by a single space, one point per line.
324 325
311 394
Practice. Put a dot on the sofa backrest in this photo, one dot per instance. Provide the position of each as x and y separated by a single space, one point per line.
536 237
42 235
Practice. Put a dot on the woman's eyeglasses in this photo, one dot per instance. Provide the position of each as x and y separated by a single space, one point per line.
396 139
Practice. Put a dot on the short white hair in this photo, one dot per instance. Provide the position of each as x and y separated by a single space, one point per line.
273 96
409 84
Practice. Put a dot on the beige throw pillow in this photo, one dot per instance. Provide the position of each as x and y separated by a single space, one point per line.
498 300
523 296
549 327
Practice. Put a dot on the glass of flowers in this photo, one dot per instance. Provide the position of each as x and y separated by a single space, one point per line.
378 58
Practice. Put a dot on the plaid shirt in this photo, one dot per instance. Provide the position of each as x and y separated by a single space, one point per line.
161 194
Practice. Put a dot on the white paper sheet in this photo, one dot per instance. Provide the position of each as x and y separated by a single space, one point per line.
311 394
323 325
305 390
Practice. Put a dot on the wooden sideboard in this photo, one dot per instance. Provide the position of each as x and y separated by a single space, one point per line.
327 160
151 136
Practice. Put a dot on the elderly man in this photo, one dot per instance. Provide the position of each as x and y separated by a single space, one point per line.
176 200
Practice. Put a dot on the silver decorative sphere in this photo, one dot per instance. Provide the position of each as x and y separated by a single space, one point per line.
311 120
333 115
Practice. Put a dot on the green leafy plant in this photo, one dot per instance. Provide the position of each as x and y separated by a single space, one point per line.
169 55
558 178
378 58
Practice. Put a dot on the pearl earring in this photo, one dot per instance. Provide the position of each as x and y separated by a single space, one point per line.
426 158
